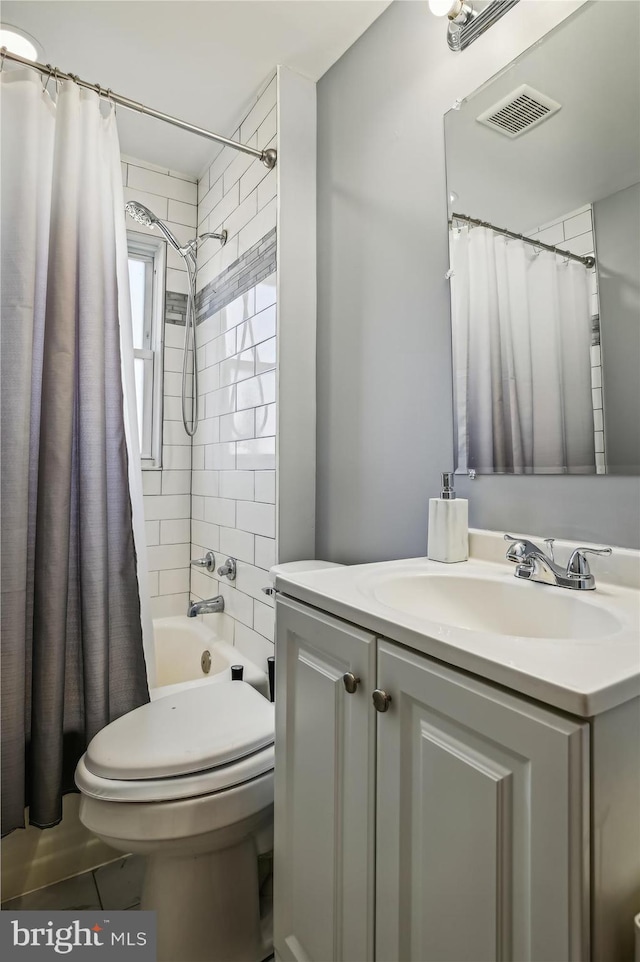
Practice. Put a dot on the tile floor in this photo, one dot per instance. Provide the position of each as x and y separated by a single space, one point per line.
117 885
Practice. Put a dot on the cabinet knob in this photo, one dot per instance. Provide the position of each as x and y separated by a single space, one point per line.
381 700
350 682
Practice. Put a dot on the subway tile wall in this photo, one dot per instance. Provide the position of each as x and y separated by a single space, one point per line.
234 449
173 197
574 232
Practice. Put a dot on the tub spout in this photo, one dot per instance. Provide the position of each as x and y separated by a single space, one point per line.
208 607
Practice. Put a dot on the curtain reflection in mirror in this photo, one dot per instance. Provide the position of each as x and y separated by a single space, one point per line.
521 353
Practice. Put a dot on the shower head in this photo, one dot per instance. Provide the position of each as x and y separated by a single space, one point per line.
140 213
147 218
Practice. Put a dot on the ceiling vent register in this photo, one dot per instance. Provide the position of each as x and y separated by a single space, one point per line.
518 112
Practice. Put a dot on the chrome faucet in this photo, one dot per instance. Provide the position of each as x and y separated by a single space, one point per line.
208 607
532 564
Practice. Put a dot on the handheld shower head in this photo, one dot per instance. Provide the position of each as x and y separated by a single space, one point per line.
147 218
140 213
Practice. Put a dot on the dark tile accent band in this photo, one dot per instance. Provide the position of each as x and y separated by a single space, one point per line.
595 330
175 308
256 264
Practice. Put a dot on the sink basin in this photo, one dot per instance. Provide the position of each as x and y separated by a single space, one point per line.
578 651
496 605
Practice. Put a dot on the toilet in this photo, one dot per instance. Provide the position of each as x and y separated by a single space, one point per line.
187 781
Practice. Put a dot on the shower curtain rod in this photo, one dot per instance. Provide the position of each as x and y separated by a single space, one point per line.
268 157
587 261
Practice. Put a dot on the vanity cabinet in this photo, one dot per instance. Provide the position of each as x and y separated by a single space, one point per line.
452 824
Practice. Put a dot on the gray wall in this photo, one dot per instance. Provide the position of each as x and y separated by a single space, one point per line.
617 230
384 429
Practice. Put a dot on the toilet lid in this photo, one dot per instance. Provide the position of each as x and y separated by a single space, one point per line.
192 731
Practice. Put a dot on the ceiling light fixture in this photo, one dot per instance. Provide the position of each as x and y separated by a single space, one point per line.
466 23
19 42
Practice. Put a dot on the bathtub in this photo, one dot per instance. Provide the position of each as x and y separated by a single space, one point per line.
179 645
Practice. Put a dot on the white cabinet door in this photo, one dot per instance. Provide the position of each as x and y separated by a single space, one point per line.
324 791
482 847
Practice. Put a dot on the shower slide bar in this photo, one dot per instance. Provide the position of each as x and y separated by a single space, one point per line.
587 261
268 157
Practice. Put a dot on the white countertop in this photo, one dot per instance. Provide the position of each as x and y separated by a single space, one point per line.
583 677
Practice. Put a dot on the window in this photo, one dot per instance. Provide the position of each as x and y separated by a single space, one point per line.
146 281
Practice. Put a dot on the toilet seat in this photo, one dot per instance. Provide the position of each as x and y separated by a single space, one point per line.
196 742
194 730
173 789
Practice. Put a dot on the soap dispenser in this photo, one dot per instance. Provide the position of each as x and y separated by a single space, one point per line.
448 538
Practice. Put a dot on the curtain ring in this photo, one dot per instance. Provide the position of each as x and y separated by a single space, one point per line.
3 54
104 93
45 83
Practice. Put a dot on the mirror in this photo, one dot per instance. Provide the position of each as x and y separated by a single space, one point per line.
543 182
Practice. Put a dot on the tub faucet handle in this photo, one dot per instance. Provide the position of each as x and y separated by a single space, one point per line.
228 569
208 562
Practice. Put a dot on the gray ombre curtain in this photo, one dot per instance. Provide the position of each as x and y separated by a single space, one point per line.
72 646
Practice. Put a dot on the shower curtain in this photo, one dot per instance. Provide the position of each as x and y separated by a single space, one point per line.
72 641
521 357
